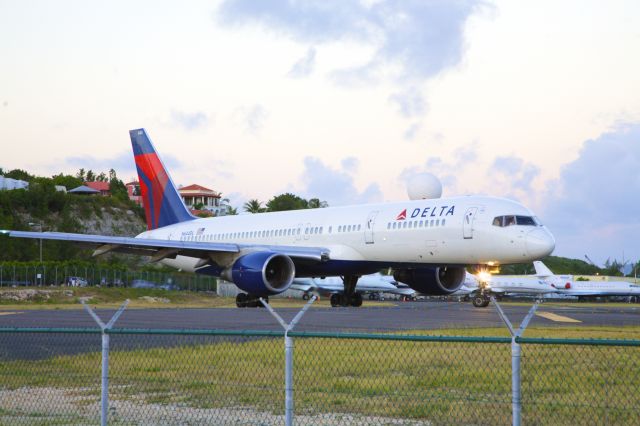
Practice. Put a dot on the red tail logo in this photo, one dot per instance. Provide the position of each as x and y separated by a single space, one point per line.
402 215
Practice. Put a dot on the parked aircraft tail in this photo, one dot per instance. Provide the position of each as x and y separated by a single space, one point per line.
162 203
541 269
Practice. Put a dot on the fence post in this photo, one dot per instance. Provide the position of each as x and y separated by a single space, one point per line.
288 357
516 350
104 400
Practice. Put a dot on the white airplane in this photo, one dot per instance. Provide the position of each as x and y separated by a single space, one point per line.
426 242
566 285
374 285
500 286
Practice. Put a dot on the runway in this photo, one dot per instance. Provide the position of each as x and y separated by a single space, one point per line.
391 317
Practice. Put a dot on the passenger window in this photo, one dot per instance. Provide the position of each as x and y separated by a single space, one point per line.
321 230
330 229
432 222
437 222
443 222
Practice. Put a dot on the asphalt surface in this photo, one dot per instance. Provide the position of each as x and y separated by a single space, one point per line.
394 316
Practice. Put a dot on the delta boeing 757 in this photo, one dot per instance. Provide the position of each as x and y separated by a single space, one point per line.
426 242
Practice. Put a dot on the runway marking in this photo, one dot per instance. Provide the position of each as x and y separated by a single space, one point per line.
556 317
9 313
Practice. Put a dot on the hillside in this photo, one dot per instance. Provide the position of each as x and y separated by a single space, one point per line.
42 206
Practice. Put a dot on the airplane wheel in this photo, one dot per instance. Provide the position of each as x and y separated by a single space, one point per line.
241 300
371 296
253 302
480 302
305 296
335 300
356 300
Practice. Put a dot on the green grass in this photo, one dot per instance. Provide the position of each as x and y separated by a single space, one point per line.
69 298
439 382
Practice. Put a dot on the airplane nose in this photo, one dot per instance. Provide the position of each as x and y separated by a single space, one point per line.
540 243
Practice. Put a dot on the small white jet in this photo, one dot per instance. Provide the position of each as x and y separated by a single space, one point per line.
426 242
566 285
373 285
500 286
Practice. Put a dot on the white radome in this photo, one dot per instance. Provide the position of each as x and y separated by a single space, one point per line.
424 186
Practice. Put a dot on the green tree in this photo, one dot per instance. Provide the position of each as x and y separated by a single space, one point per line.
118 190
285 202
20 175
91 177
315 203
81 175
253 206
67 181
102 177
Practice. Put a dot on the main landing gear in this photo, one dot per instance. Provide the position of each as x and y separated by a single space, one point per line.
244 300
481 300
349 297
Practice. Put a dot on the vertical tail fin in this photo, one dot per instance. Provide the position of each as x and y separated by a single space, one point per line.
162 203
541 269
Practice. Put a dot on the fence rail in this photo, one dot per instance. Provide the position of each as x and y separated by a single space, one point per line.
53 375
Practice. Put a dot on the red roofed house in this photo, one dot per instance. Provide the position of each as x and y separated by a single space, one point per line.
133 190
103 187
207 199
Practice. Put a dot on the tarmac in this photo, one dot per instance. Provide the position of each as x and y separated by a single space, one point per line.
391 317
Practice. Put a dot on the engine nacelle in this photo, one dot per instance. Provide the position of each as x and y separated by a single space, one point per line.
261 273
438 281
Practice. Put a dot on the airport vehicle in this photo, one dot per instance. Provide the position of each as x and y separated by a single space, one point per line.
566 285
427 242
500 286
373 285
76 282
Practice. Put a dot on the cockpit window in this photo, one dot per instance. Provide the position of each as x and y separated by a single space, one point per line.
515 220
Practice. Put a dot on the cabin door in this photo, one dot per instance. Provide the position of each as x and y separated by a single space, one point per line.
368 227
467 223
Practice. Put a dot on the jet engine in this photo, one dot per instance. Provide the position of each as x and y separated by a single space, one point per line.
438 281
261 273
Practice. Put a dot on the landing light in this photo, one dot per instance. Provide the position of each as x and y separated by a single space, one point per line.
4 232
484 276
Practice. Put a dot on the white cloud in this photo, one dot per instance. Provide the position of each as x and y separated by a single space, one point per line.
189 120
336 186
252 118
304 66
594 204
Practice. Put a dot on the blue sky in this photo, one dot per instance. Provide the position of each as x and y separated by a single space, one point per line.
342 100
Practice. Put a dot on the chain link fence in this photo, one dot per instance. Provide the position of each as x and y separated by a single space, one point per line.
53 376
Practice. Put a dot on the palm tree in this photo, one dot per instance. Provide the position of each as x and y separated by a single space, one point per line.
253 206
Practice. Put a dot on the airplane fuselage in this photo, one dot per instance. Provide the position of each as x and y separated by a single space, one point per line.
364 238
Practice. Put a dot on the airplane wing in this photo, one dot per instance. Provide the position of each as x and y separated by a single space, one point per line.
161 249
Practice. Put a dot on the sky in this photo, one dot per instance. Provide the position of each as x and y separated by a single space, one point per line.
342 100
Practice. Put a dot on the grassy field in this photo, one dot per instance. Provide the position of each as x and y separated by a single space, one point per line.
461 383
70 297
